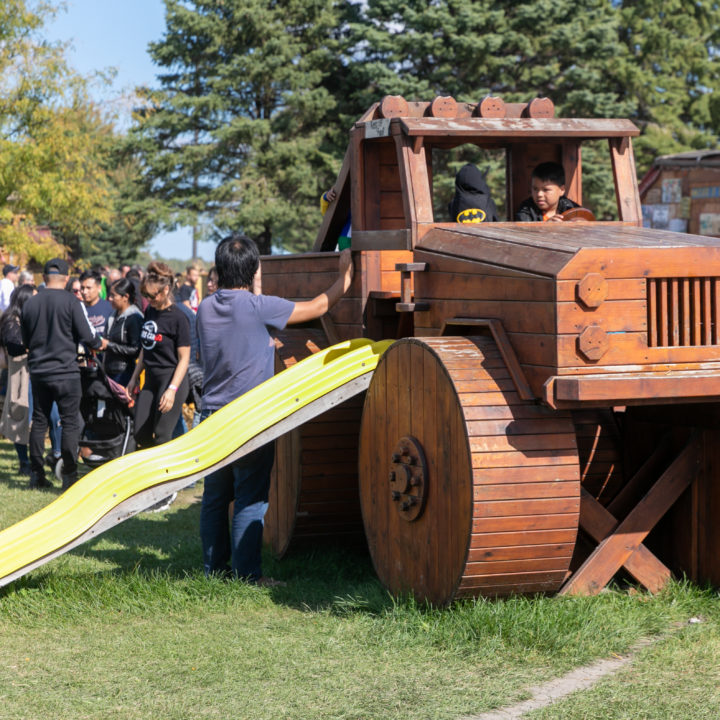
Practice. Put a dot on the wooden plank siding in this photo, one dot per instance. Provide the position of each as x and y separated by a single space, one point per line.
644 328
302 277
382 192
525 304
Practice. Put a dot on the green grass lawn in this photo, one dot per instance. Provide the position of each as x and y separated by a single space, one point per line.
127 627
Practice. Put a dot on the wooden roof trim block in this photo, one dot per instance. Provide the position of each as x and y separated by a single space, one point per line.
536 108
396 106
540 108
443 107
491 107
393 106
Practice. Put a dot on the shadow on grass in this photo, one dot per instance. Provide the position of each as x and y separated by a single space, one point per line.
166 542
17 482
326 576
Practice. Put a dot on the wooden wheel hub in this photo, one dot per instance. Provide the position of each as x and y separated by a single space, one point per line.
408 478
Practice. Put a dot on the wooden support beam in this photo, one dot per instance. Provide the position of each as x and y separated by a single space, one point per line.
615 550
623 167
357 178
406 303
415 182
328 326
599 524
636 487
572 164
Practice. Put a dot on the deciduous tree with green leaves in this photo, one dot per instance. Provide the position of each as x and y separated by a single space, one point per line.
58 163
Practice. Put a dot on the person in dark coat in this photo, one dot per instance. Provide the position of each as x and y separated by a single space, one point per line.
472 193
53 323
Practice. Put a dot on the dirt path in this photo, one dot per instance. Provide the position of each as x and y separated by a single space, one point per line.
554 690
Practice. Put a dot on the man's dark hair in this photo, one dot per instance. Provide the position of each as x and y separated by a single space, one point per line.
237 260
550 172
91 275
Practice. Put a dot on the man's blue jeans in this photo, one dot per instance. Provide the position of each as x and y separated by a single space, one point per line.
239 542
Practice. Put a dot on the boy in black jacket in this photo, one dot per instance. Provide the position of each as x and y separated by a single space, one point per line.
548 200
53 323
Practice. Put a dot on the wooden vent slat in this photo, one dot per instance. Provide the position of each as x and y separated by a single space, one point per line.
683 312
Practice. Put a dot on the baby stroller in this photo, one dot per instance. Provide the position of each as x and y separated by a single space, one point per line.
108 417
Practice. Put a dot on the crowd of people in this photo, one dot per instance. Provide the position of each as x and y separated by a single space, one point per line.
161 348
49 331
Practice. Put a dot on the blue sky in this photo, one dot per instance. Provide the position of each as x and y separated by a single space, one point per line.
115 34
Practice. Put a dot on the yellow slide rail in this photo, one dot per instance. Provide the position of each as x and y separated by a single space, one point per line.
132 483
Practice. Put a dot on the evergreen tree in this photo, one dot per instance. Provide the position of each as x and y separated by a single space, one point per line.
237 134
671 70
472 48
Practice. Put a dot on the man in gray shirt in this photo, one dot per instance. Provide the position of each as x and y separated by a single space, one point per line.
237 354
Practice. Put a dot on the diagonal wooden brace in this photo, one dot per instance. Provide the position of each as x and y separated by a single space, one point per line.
597 522
625 541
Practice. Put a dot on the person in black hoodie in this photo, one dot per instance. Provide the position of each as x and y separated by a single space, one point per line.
472 193
53 323
548 200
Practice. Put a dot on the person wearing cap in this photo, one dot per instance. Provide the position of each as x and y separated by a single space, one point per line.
7 285
53 324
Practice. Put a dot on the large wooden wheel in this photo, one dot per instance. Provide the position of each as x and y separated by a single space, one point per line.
465 489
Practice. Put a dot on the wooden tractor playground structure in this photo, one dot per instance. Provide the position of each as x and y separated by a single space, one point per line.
547 419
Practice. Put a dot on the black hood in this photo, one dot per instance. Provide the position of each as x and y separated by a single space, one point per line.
471 191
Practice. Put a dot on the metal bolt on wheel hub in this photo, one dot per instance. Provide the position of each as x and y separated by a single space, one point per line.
408 478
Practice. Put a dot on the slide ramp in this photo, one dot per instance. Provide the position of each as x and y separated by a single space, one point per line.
130 484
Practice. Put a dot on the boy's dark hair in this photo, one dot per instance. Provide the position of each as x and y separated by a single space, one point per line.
236 260
91 275
550 172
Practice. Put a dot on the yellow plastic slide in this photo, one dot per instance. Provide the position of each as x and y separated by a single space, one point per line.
122 488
